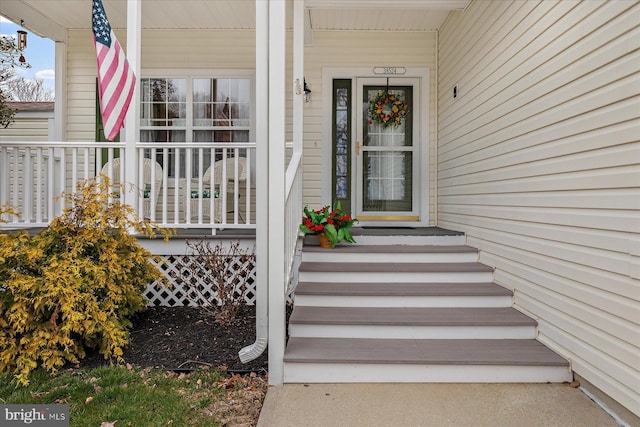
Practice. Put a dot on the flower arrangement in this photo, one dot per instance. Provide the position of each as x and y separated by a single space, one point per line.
334 224
388 109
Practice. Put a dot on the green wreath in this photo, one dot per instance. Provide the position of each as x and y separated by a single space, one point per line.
388 109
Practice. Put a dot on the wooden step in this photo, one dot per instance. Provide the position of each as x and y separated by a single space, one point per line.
425 323
436 352
402 235
407 360
390 253
398 294
385 267
384 272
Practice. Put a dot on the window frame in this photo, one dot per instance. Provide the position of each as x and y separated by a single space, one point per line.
189 75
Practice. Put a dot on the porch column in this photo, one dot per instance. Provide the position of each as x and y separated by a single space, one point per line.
60 104
276 166
131 123
57 177
298 75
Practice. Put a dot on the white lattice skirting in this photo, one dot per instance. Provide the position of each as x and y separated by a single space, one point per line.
185 274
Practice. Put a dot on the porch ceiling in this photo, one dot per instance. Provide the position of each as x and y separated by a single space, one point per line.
51 18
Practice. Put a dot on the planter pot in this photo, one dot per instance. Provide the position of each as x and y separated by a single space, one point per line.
324 241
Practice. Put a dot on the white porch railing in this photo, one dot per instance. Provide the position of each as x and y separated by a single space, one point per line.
204 185
293 213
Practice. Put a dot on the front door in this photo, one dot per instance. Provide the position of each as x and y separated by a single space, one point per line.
387 151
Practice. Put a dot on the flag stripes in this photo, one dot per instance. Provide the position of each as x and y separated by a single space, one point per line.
116 80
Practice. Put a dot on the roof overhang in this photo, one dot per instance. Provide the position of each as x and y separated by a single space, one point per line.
52 19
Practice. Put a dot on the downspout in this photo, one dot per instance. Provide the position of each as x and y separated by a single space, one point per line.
254 350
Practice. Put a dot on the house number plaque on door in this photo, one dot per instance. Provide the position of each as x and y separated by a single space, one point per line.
389 70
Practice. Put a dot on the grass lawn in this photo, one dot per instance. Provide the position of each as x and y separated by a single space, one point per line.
135 397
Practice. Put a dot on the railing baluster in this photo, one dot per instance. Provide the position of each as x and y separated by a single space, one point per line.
4 176
248 190
152 195
188 158
165 179
63 178
200 186
38 183
16 178
177 195
223 188
236 193
98 160
87 164
74 169
139 187
51 161
27 186
212 186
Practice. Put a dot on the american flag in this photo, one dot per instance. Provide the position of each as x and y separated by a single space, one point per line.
116 80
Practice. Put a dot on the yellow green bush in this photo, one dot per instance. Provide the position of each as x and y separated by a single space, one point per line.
74 285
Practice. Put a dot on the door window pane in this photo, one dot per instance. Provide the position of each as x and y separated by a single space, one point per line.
391 136
387 181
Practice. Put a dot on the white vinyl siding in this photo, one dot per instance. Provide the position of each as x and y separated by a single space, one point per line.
27 127
539 163
343 49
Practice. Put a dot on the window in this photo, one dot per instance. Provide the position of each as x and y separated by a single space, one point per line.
198 110
341 136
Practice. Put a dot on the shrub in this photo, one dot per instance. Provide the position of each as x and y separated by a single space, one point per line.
222 270
74 285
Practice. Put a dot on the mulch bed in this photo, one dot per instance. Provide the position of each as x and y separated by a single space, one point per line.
187 338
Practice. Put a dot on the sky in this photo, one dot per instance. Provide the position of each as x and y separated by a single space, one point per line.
40 53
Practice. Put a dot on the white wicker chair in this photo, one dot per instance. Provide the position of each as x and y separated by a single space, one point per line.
152 189
212 180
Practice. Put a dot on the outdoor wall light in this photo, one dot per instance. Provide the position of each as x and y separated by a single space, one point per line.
22 44
307 92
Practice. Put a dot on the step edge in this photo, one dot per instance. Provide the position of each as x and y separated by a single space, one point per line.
427 289
418 267
394 249
376 316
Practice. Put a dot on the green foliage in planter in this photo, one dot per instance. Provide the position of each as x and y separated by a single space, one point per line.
74 285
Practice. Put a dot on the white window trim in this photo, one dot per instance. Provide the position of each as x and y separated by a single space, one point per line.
189 75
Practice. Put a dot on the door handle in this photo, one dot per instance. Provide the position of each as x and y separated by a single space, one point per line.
358 145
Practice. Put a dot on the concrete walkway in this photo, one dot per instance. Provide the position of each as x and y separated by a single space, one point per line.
412 405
